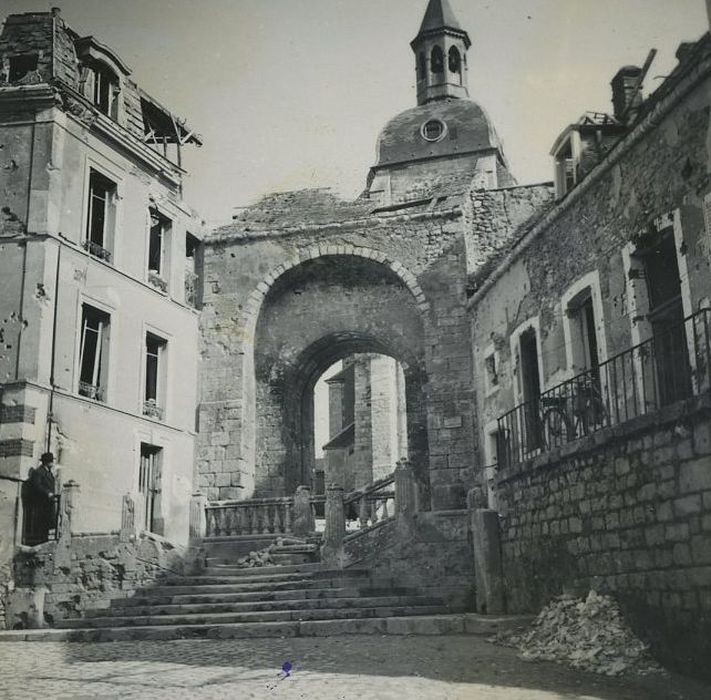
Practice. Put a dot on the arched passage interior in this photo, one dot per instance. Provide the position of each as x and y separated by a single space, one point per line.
319 312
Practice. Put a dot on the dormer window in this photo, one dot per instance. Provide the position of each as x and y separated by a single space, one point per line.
567 158
104 90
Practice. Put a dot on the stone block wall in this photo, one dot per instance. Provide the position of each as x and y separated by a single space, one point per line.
89 573
625 512
258 274
659 171
432 552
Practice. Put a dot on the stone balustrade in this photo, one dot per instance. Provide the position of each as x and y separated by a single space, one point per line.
256 516
393 497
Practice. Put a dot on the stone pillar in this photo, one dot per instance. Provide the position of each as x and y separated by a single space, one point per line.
198 522
405 490
68 507
486 538
332 548
128 519
303 521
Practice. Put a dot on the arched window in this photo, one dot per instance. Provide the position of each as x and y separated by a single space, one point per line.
437 60
422 66
455 60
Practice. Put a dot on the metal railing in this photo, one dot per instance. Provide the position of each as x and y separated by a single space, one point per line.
97 251
91 391
152 409
672 365
155 280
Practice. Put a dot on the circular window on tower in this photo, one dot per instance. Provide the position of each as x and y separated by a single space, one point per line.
433 130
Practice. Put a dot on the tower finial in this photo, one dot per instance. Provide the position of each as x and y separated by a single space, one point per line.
441 54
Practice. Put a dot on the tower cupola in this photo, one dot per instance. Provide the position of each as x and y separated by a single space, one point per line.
440 49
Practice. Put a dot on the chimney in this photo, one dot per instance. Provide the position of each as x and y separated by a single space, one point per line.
625 98
56 11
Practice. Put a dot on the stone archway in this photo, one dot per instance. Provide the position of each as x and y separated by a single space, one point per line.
322 310
406 294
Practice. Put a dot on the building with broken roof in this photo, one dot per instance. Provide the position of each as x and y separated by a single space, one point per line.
99 281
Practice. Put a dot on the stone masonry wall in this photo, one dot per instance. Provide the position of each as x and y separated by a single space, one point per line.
423 246
92 571
432 553
625 512
665 170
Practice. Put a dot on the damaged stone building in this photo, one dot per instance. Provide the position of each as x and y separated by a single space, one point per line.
99 262
546 348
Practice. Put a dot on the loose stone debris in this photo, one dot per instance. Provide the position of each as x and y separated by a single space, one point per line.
263 557
588 634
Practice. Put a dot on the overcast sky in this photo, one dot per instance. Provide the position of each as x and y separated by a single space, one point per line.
292 93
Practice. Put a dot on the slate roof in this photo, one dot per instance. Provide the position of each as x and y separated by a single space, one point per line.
438 15
468 130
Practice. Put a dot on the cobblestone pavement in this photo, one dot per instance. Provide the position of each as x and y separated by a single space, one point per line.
334 668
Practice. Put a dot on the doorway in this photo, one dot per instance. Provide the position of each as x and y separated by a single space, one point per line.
149 486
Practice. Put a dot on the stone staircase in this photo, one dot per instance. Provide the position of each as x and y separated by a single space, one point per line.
296 598
223 601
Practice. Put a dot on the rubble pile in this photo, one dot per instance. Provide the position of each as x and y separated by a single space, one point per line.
588 634
263 557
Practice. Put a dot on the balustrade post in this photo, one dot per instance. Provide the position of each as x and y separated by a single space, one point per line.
303 522
68 506
128 519
486 539
405 490
332 548
198 521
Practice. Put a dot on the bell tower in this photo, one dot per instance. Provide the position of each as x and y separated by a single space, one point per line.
440 49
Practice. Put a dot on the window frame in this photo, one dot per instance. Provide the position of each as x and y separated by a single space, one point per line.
155 407
491 354
105 370
103 75
586 287
159 278
105 250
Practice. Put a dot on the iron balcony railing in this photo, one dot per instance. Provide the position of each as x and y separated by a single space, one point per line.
91 391
97 251
670 366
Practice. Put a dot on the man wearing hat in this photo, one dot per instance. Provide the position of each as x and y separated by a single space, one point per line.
41 515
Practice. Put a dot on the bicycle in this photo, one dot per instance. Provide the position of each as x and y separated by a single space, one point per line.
573 415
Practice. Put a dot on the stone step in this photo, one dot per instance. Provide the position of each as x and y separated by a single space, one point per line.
252 577
239 587
257 617
463 623
296 558
263 605
261 596
230 569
